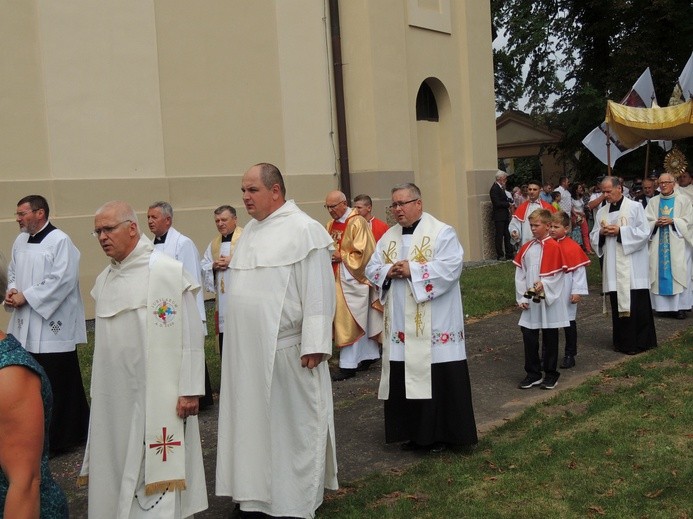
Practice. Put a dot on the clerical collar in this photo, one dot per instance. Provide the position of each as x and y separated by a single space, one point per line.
227 237
344 217
160 239
616 206
411 228
39 236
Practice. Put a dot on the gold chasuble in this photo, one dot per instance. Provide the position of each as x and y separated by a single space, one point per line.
355 244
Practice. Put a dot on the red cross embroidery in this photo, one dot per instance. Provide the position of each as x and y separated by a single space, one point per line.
165 444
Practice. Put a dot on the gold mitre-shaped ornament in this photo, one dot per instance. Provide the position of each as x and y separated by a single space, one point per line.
675 162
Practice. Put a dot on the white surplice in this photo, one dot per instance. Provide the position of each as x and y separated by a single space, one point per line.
550 312
217 282
276 446
522 227
681 244
115 450
635 232
436 281
47 273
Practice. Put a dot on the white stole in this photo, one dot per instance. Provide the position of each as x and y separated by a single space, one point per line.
164 431
417 327
622 261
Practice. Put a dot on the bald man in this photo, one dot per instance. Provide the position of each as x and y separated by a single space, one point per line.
354 245
144 450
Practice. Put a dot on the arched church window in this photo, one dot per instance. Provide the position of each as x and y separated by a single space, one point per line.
426 106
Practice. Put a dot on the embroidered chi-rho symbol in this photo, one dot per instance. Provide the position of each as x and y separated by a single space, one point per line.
164 444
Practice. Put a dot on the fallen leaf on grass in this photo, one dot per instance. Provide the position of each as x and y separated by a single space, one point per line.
655 494
391 498
339 493
594 509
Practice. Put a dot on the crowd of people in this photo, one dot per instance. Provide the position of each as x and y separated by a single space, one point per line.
642 236
288 292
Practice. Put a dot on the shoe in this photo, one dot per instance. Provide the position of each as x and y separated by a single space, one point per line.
437 447
343 374
549 383
410 445
680 315
568 362
365 364
529 381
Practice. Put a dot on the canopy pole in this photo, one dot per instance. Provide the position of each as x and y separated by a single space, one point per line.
608 150
647 159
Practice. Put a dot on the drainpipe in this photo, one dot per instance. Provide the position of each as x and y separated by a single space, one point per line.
335 32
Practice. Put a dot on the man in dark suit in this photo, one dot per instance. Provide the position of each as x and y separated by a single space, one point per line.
501 216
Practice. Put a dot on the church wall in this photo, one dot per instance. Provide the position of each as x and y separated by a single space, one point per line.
381 83
174 100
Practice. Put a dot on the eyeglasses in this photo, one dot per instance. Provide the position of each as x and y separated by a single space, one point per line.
24 213
399 205
330 207
107 230
666 181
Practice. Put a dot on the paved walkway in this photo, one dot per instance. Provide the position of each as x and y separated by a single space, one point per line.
495 353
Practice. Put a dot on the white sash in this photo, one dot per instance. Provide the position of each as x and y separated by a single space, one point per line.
164 430
622 261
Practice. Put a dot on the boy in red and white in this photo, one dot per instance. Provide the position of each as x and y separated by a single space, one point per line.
575 279
539 287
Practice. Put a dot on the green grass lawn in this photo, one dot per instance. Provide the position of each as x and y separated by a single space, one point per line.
620 445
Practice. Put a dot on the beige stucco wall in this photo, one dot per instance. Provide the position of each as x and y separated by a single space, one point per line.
388 52
174 100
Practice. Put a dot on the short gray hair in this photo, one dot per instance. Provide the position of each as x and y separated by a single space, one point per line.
500 174
409 186
123 210
166 209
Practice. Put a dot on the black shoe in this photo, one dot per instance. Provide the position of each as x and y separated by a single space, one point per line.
365 364
568 362
437 447
410 445
343 374
549 383
529 381
680 315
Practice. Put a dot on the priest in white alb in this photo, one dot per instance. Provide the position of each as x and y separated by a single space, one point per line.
276 445
619 236
143 456
425 379
215 264
354 245
670 216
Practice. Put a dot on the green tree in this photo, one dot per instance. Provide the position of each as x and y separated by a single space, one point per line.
565 58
